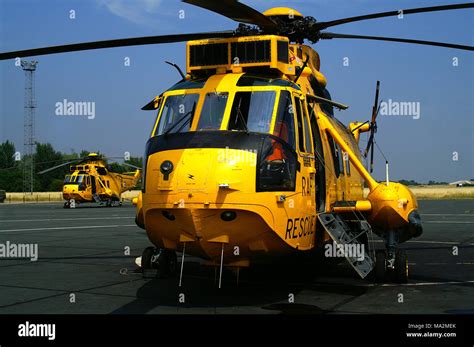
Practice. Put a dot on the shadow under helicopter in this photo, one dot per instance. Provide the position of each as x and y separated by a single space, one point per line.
266 287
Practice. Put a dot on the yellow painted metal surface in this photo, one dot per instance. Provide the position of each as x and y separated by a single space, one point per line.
282 11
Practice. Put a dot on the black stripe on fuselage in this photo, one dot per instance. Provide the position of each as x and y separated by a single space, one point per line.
205 139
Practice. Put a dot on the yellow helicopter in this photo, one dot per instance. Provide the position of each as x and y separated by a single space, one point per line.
91 181
247 163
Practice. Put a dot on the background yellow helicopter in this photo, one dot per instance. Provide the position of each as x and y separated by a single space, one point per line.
91 181
247 163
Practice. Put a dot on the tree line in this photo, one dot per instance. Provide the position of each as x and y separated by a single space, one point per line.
45 157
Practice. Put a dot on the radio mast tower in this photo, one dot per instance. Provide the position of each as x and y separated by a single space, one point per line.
29 125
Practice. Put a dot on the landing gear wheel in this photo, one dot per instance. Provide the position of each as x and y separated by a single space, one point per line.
401 267
66 204
147 256
108 203
380 266
167 262
173 263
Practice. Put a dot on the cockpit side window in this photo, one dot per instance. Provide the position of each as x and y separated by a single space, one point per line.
252 111
284 124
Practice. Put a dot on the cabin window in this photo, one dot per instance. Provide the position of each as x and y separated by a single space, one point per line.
307 132
347 163
177 114
101 170
284 123
212 111
340 158
67 179
336 156
252 111
299 119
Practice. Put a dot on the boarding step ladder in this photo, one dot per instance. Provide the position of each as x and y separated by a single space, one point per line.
342 235
97 198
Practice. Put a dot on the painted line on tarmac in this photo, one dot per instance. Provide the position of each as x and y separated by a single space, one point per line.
440 264
446 222
446 264
418 284
448 214
61 219
69 228
436 242
414 284
457 243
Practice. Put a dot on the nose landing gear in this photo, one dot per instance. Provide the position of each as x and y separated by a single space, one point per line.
163 261
391 264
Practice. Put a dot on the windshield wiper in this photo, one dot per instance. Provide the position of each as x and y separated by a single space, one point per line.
180 120
241 117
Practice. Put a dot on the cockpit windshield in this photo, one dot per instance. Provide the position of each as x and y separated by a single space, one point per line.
73 179
177 114
252 111
247 110
212 111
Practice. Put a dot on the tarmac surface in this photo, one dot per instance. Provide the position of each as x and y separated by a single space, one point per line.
83 267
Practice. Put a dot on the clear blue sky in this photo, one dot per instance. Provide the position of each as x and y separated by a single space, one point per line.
420 149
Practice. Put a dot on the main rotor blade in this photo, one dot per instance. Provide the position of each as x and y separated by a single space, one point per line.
369 143
372 157
58 166
324 25
236 11
328 36
133 41
376 104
